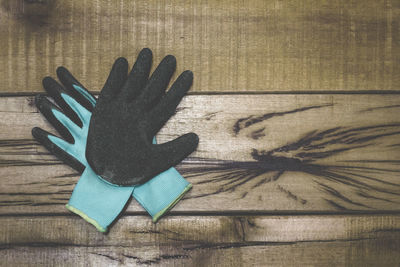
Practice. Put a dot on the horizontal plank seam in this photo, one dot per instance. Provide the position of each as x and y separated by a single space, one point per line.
324 92
222 214
204 245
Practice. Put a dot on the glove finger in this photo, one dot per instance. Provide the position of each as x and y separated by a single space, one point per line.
57 147
76 89
54 115
115 80
54 89
82 113
47 109
70 106
138 76
162 157
173 152
160 114
158 83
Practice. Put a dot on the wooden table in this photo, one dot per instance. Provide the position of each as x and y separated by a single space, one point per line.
296 105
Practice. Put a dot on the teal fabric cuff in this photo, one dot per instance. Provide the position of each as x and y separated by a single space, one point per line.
97 201
161 193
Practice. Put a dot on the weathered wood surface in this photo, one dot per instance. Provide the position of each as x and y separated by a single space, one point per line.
204 241
258 153
230 45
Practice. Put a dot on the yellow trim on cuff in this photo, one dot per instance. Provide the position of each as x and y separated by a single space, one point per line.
159 214
86 218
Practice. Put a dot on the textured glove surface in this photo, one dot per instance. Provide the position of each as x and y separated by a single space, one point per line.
130 110
68 109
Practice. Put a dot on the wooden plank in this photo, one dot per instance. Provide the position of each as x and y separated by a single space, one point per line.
266 153
204 241
230 46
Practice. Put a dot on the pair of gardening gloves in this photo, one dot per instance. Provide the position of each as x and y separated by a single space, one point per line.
111 140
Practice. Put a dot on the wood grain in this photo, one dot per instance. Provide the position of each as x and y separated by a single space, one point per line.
204 241
258 153
230 45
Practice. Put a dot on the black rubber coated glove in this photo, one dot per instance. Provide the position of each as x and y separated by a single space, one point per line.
129 113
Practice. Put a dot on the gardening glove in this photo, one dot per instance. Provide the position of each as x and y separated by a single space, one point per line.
168 187
125 119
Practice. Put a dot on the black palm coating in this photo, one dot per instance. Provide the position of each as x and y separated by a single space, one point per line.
54 90
45 106
126 118
42 137
68 80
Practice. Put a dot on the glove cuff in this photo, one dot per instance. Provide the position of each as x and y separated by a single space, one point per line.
159 214
160 194
97 201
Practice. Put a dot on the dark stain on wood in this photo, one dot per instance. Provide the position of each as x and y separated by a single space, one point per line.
338 195
32 13
243 123
291 195
210 115
155 260
378 108
257 134
303 156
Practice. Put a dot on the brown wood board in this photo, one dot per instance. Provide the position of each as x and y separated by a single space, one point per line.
230 45
203 241
257 153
